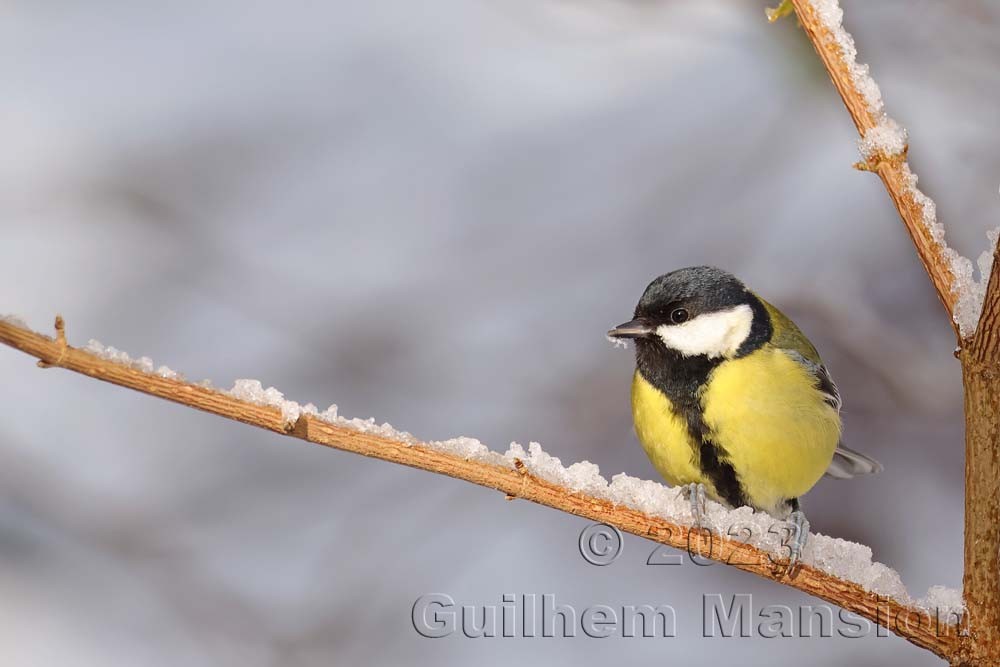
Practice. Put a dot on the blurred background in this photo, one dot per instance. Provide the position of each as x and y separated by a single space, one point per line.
431 212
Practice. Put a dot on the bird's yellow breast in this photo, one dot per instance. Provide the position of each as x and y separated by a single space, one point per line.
763 410
664 435
779 432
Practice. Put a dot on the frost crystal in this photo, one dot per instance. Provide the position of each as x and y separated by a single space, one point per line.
888 138
851 561
384 430
143 364
15 320
969 290
165 372
583 476
946 603
469 449
618 342
832 16
252 391
648 497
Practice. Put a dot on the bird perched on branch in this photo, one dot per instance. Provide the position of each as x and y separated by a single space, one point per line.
731 399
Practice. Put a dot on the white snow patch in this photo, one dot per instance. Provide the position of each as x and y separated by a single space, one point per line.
887 139
583 476
946 603
167 372
853 562
617 342
470 449
969 290
144 364
832 17
385 429
252 391
15 320
928 209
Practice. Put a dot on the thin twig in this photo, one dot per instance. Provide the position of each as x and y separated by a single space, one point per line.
891 169
911 623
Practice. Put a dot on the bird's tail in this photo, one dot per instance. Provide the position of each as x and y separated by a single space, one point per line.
848 463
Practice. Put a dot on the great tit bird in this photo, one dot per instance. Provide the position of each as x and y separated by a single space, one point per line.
730 398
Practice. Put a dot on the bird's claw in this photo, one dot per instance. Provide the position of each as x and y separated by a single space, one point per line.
695 493
799 537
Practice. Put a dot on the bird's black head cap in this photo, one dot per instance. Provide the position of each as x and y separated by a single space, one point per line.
696 289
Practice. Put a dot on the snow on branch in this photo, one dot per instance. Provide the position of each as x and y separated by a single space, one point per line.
883 146
834 570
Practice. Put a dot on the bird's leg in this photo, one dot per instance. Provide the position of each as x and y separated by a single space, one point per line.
800 535
695 493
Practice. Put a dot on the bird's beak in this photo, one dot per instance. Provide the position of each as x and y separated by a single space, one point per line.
637 328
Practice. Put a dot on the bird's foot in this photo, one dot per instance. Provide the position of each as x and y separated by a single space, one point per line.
799 537
695 493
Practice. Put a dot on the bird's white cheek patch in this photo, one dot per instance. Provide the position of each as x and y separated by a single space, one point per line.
712 334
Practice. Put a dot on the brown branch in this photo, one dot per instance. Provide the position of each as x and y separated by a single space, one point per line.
911 623
981 381
889 168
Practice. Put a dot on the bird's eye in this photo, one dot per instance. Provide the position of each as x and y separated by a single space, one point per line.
678 315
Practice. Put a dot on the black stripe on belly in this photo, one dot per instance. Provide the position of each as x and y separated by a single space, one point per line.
717 468
681 379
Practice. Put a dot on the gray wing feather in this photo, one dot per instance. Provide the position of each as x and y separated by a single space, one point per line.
824 383
848 463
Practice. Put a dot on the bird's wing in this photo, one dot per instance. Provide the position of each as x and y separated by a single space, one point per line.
787 337
848 463
824 383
